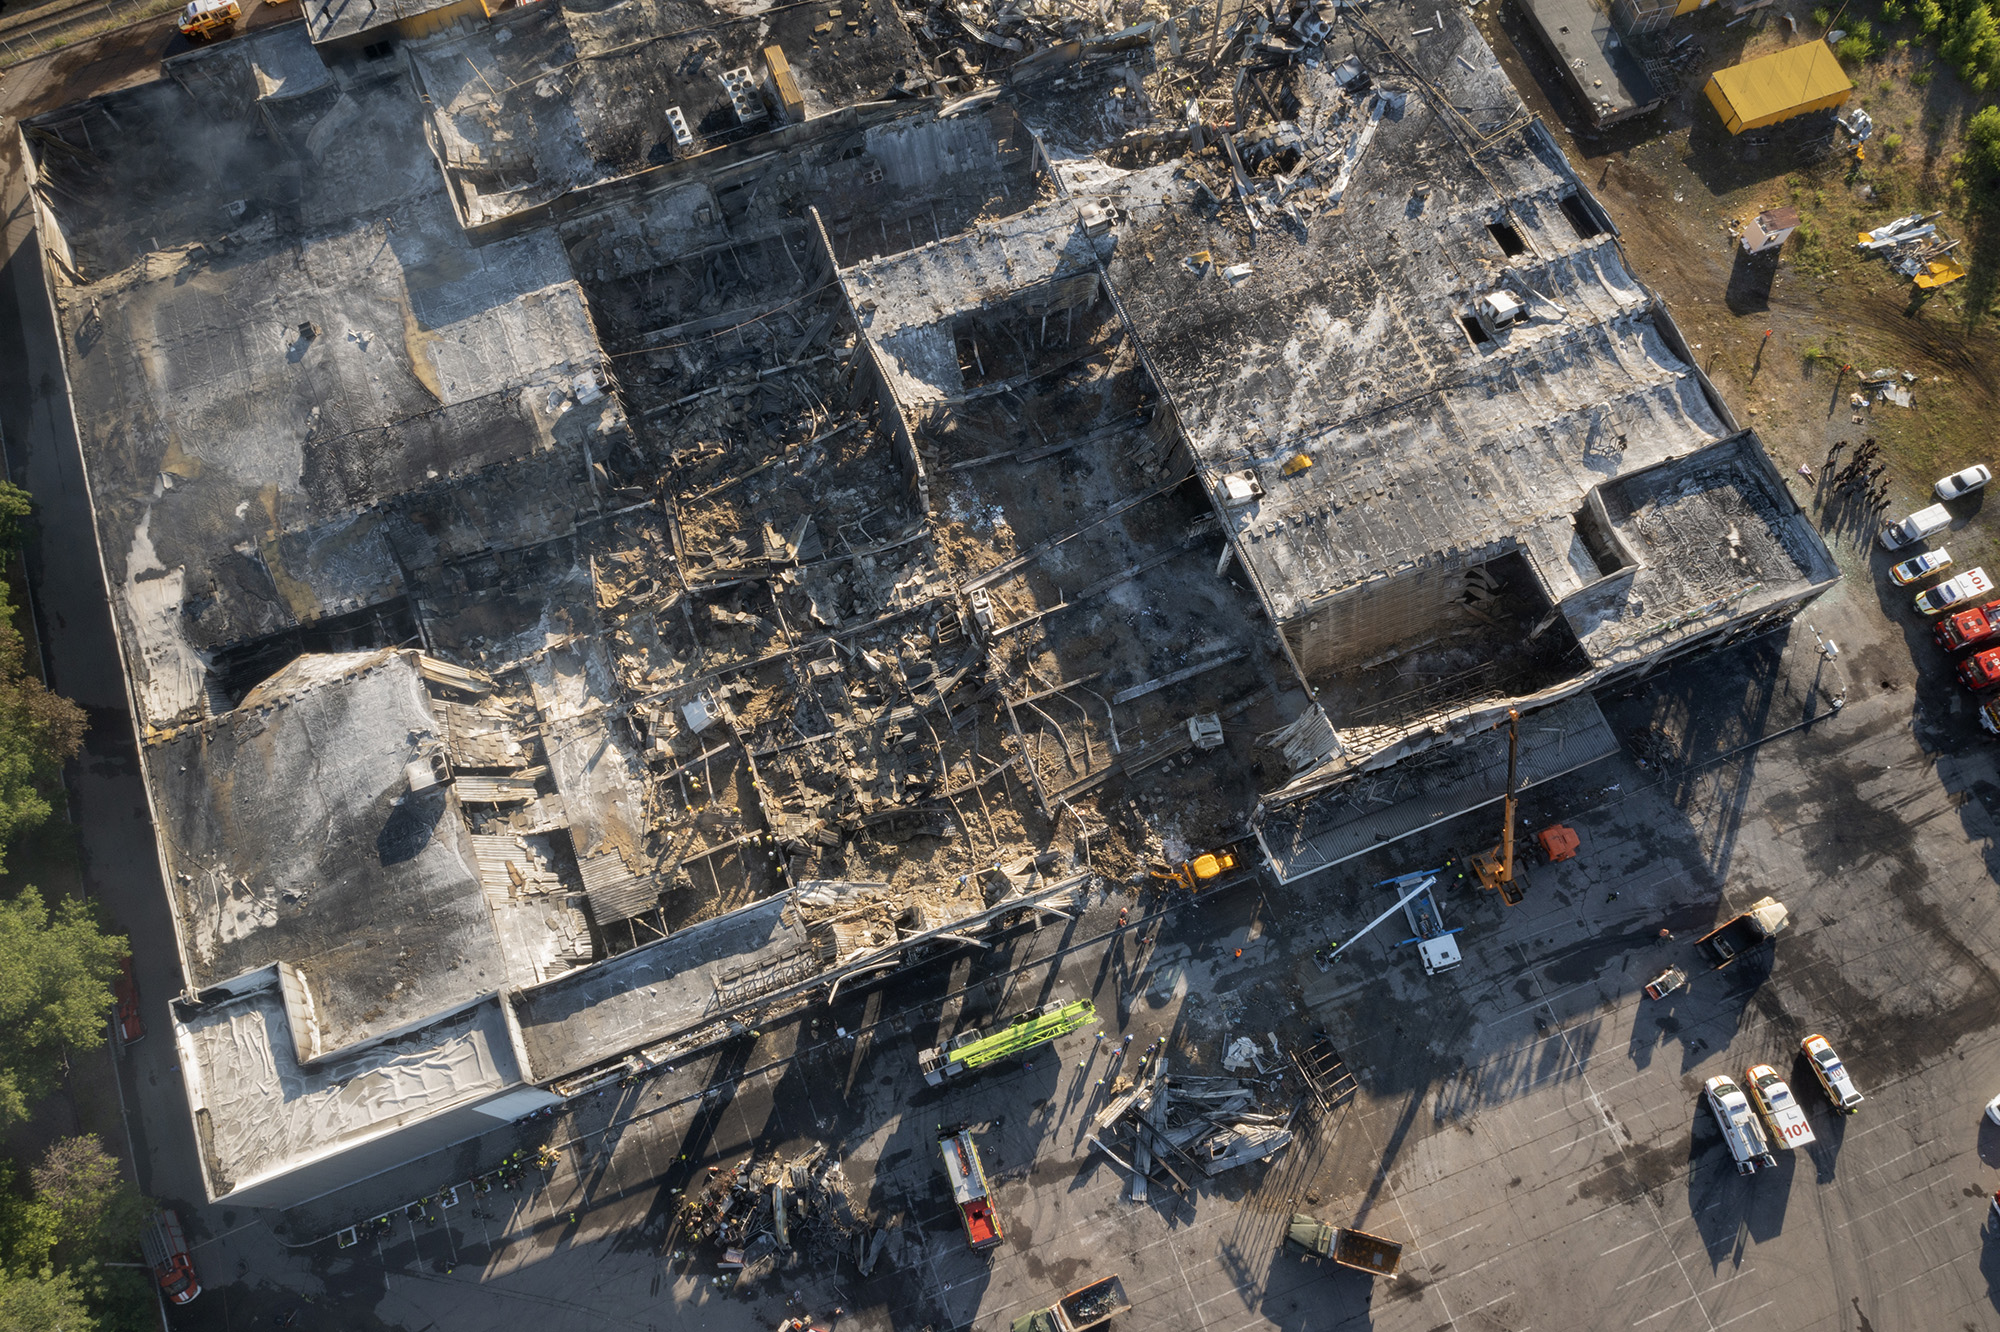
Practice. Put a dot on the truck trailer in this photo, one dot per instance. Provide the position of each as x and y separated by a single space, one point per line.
1740 933
1095 1304
1344 1245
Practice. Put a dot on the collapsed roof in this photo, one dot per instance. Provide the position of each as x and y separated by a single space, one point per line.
583 598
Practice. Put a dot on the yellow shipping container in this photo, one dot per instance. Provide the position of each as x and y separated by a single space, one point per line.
1776 87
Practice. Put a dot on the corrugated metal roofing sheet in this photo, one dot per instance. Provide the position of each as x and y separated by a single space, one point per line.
615 893
493 853
495 790
457 677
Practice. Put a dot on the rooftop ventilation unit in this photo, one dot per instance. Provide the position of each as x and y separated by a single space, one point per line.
1499 309
677 122
743 95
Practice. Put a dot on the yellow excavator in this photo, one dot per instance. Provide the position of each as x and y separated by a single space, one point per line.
1198 873
1495 868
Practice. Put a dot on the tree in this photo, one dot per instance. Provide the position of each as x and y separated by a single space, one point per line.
1982 140
56 970
95 1210
15 506
46 1301
39 731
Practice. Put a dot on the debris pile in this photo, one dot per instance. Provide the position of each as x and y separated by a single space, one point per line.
772 1214
1184 1124
1914 247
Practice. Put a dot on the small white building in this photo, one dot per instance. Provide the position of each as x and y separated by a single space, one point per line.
1769 229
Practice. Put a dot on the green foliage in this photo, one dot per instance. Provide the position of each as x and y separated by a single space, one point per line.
55 989
15 506
96 1212
1930 16
28 1227
65 1246
1809 252
1858 44
1823 16
43 1301
39 730
1892 11
1982 142
1891 144
1921 77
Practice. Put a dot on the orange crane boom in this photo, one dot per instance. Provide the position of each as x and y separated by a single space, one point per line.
1496 868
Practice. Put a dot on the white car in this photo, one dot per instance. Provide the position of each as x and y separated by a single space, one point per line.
1972 583
1919 567
1993 1109
1833 1076
1963 483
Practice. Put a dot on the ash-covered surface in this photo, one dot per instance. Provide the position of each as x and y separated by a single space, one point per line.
296 839
934 500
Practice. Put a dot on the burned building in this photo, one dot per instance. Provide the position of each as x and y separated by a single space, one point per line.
608 545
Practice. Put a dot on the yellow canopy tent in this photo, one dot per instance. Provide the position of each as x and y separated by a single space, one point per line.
1776 87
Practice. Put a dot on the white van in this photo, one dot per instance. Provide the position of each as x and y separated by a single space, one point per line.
1916 527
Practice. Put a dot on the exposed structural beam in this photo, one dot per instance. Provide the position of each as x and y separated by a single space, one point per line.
735 1019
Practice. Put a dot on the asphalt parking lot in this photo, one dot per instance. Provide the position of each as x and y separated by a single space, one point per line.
1528 1124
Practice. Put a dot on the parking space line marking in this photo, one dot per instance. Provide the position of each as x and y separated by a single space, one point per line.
1935 1266
1884 1124
1603 1128
1456 1233
1453 1276
1740 1317
1657 1312
1490 1303
1899 1156
1626 1245
1887 1205
1740 1272
1643 1275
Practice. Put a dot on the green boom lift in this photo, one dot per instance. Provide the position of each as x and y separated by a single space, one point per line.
971 1051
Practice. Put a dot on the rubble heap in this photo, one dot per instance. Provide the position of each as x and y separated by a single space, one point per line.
1211 1125
769 1214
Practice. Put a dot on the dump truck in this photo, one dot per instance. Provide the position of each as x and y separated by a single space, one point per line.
1968 628
1344 1244
970 1190
971 1051
1740 1129
1740 933
1097 1303
166 1251
204 19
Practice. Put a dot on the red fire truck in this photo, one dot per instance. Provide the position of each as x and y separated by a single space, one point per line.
969 1189
1981 669
1964 629
166 1252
